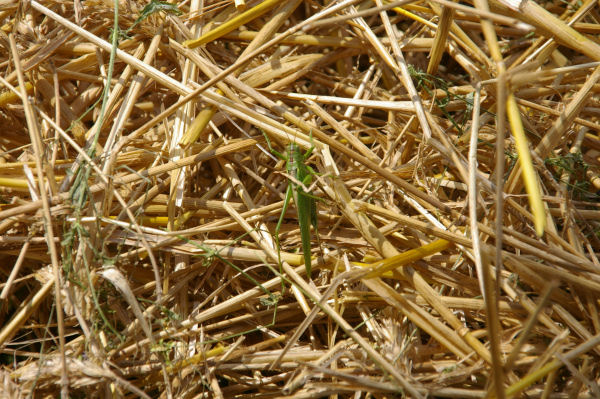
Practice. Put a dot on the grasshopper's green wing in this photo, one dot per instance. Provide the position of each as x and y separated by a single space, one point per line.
304 206
297 168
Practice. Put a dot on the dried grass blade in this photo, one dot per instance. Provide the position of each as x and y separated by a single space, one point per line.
34 133
439 41
232 24
315 297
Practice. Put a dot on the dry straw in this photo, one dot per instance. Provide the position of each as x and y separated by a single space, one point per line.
454 157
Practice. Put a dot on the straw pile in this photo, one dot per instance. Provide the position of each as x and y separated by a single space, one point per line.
455 150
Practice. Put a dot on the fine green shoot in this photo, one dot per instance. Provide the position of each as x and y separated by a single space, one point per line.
573 167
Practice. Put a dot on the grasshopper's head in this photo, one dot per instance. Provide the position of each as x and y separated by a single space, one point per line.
295 155
292 148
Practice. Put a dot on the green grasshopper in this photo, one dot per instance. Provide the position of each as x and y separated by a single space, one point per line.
300 176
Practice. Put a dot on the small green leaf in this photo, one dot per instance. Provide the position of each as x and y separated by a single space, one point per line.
156 6
272 300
